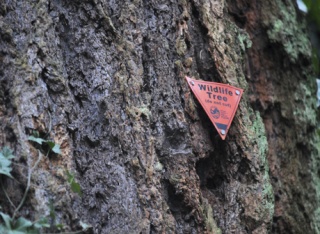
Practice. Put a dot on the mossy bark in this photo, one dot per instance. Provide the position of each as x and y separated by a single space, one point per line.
106 81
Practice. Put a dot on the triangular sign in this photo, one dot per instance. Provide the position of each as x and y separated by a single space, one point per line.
220 101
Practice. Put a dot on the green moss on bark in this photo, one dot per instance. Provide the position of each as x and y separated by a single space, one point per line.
283 28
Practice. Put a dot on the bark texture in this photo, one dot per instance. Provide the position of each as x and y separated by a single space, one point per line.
105 79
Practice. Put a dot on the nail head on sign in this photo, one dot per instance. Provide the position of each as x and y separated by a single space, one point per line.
223 132
192 83
237 92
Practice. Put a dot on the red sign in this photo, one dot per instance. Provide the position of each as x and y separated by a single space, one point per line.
220 101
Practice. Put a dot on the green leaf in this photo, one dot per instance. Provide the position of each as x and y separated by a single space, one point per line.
51 144
7 220
41 223
36 139
7 152
75 187
6 230
59 226
5 162
84 226
35 133
70 176
5 168
54 147
22 224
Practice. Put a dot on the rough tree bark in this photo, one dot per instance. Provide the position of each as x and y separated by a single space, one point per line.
105 79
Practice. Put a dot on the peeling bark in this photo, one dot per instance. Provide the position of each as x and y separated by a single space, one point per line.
106 81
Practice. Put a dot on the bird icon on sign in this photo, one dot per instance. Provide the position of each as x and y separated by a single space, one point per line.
215 112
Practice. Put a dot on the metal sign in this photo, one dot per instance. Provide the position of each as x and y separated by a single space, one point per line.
220 101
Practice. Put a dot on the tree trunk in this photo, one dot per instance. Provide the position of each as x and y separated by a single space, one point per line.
106 81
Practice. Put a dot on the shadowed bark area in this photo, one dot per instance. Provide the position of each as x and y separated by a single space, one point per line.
106 81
